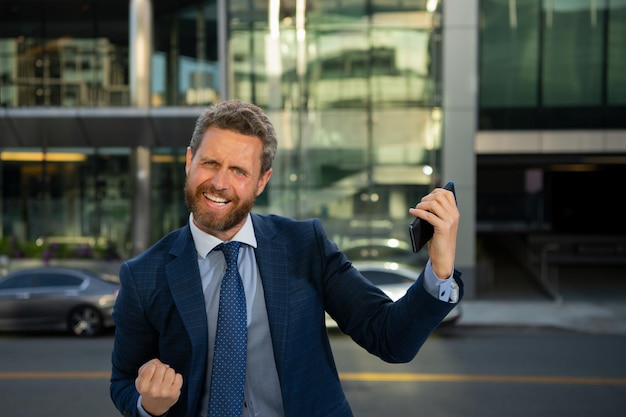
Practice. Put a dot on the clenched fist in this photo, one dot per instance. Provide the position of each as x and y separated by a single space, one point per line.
159 386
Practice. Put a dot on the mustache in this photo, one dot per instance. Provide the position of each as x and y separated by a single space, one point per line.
212 191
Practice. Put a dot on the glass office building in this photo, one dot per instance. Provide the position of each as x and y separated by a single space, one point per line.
352 88
99 100
552 111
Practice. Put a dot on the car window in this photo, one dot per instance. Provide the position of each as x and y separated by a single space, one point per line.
57 280
21 281
385 278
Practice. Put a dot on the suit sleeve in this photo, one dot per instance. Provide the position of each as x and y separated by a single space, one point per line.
135 343
392 331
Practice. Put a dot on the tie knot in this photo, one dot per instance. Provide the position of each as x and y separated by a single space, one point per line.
231 252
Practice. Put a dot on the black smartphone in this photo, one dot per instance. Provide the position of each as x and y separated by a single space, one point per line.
420 230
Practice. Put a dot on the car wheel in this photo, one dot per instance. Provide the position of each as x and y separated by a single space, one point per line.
85 321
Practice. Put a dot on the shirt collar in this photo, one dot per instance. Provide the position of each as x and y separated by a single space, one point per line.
205 242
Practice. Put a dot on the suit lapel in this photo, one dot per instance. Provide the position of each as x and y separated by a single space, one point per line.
184 281
185 284
273 260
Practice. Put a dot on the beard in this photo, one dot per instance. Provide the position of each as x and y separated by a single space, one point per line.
216 222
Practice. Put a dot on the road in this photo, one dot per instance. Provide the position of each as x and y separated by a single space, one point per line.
461 371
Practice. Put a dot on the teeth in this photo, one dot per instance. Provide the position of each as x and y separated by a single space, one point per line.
215 199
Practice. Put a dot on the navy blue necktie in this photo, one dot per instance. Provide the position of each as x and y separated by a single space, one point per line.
229 357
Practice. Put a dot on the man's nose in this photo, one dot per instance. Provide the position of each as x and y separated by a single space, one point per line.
220 179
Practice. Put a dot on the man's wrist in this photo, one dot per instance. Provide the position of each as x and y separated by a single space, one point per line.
154 415
443 289
145 413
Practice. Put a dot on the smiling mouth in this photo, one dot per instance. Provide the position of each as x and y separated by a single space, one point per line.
215 199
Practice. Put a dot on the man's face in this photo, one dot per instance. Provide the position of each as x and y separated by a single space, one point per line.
223 181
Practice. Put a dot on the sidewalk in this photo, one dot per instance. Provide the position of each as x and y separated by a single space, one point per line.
591 299
585 316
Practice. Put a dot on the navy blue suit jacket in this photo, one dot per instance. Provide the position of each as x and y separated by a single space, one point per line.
160 313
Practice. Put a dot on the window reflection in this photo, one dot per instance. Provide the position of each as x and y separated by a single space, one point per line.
67 198
350 86
552 64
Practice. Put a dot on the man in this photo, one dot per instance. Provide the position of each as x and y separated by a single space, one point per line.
167 310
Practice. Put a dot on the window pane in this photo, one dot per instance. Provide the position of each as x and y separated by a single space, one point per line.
617 53
77 201
17 282
509 53
572 55
64 53
55 280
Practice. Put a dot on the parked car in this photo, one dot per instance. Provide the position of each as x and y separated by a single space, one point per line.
394 279
50 298
384 250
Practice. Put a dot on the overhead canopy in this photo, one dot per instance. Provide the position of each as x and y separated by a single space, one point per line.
97 127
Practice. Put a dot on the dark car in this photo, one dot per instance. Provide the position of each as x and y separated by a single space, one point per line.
50 298
394 279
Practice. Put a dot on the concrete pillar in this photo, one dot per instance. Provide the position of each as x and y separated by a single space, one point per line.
140 56
222 49
460 112
140 52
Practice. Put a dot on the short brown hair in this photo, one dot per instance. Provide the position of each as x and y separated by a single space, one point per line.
242 117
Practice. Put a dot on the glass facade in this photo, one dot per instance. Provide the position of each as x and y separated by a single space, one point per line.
353 88
63 53
66 202
552 64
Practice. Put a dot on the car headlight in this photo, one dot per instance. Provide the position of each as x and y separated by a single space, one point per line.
107 300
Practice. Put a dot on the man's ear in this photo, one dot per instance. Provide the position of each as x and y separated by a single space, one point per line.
188 159
263 181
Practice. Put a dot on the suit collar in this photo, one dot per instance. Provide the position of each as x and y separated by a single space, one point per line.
205 243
